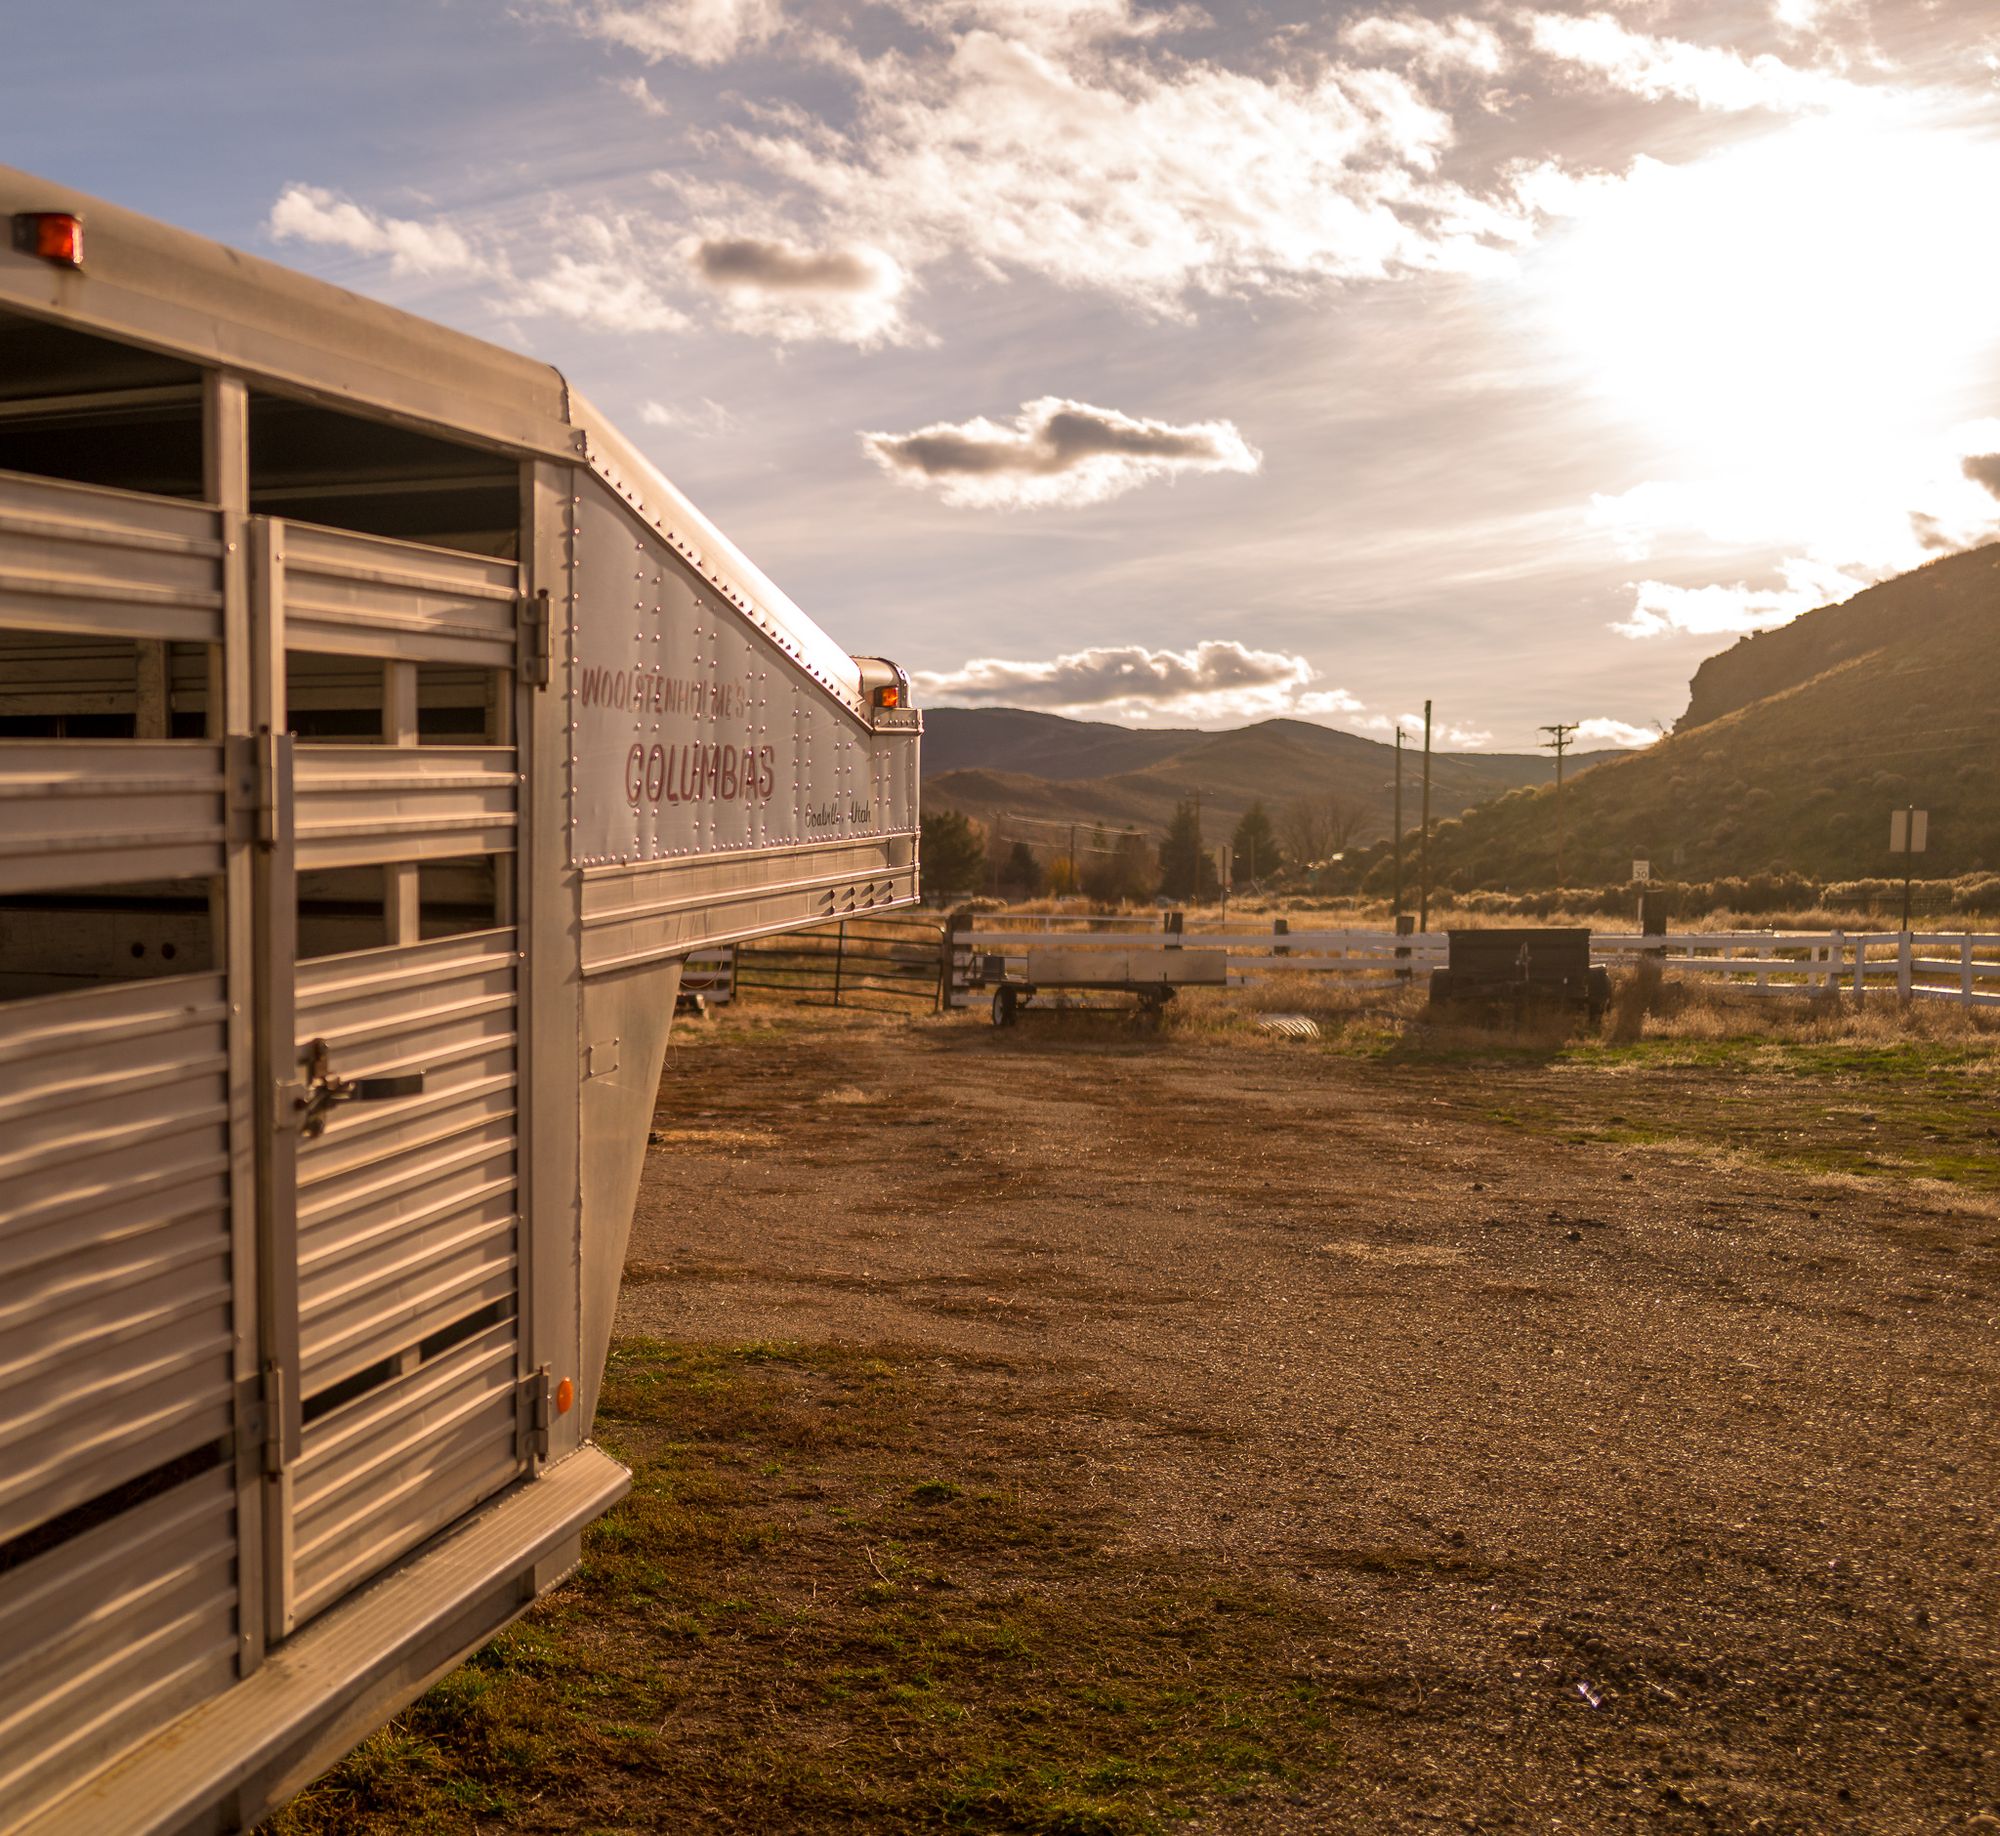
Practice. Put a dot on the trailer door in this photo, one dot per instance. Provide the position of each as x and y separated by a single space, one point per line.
389 993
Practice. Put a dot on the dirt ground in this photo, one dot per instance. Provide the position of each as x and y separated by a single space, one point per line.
1622 1477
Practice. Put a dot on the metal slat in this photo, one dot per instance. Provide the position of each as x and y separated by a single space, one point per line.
115 1309
379 1475
75 558
98 813
107 1637
368 596
377 1302
358 805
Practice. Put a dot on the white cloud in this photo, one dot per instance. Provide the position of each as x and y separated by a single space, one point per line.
1439 46
772 287
703 32
1660 609
1052 25
1443 733
1055 452
1599 46
638 90
704 417
606 288
1217 679
1601 729
1878 521
1149 181
306 213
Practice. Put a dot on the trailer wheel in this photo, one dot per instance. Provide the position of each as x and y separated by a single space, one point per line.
1003 1007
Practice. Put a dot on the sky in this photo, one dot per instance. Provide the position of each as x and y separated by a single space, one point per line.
1157 362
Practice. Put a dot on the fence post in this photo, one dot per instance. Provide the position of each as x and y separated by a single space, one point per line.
948 960
1281 927
1834 954
735 969
1965 970
1903 954
839 955
1406 925
1860 967
1173 924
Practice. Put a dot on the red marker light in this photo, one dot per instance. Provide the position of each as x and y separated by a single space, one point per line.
51 235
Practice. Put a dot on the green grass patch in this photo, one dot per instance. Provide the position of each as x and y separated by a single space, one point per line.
832 1601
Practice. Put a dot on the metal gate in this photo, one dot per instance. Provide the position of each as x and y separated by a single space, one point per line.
397 1301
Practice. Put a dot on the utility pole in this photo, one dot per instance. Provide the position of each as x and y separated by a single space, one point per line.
1399 818
1558 743
1424 841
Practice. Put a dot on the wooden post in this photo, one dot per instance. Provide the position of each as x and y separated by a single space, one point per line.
1281 927
1965 969
1904 953
1860 967
1174 924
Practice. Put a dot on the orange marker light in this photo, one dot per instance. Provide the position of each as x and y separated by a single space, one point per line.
53 235
565 1395
889 696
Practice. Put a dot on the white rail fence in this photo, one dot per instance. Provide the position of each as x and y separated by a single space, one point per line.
1958 966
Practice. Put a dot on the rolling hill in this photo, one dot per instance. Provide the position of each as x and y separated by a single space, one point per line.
1000 763
1796 746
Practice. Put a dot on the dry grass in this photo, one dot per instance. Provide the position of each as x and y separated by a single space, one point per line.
839 1599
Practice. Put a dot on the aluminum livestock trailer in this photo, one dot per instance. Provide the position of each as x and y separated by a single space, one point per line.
378 732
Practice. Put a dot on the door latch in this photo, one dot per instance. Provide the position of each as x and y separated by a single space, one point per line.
324 1089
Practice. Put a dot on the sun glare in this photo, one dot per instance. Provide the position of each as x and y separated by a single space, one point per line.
1819 297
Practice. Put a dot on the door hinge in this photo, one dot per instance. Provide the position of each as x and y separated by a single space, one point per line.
260 1422
531 1414
255 773
536 641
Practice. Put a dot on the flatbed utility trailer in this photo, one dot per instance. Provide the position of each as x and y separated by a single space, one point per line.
1153 976
1521 968
379 731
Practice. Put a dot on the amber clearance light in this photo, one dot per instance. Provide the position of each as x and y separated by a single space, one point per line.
53 235
889 696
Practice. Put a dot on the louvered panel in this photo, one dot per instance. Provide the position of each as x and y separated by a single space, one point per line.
115 1306
380 1474
111 563
363 1301
107 813
111 1634
408 1241
359 805
368 596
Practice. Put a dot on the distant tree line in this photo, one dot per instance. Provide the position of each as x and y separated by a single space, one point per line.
961 857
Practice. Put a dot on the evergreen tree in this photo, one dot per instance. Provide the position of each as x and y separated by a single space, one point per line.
1122 874
1020 873
1253 850
951 855
1187 871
